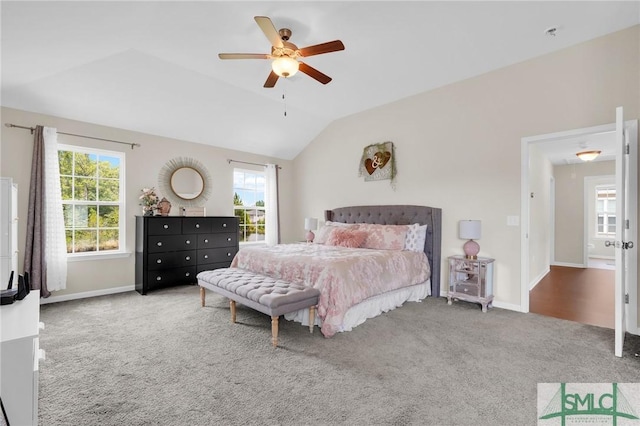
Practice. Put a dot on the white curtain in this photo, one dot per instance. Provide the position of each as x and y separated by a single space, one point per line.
272 232
55 242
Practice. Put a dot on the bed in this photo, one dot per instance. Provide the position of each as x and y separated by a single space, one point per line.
356 283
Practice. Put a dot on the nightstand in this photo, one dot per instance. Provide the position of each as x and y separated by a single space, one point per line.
471 280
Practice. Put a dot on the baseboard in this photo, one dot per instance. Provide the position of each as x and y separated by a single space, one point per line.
569 265
508 306
603 257
538 279
86 294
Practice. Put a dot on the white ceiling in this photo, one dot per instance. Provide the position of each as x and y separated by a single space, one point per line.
152 66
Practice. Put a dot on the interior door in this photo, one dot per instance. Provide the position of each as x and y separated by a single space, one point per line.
621 237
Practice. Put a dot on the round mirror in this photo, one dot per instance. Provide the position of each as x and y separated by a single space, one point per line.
185 182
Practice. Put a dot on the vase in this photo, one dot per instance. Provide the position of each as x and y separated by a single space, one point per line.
147 211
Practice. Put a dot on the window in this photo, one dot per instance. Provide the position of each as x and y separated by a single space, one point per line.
92 184
248 203
605 210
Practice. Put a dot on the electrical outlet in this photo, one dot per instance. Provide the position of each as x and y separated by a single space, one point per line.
513 220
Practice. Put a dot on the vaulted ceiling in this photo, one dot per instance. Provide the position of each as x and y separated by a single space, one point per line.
153 67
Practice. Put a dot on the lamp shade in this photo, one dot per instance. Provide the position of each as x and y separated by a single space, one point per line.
310 223
469 229
285 66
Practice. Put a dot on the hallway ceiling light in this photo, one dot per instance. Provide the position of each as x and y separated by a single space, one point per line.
588 155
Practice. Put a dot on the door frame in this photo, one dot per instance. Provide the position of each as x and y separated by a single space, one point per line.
632 127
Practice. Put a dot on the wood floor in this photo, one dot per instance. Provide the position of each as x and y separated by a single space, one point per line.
584 295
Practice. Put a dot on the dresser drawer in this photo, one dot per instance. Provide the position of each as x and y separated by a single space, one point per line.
165 226
217 240
166 277
212 266
171 243
196 225
224 224
213 255
172 259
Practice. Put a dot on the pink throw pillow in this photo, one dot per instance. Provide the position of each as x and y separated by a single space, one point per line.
384 237
345 237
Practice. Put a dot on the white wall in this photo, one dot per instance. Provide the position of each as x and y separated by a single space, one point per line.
570 191
458 147
142 168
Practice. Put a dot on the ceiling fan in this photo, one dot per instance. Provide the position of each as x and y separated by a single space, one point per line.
285 54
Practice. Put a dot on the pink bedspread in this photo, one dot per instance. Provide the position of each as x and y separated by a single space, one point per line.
344 276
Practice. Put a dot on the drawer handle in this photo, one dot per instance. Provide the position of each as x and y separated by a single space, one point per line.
188 258
229 239
224 225
187 274
158 278
206 256
188 242
228 254
165 226
206 241
197 225
159 243
159 261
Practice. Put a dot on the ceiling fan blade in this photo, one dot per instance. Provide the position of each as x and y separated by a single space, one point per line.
269 30
271 80
314 73
319 49
243 56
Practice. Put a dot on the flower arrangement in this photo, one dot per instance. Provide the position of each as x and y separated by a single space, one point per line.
149 200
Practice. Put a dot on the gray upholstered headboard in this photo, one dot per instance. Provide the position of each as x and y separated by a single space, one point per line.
401 215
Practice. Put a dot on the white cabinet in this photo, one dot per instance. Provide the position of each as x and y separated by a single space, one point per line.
19 359
8 230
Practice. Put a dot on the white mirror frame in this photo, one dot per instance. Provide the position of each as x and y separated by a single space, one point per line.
172 166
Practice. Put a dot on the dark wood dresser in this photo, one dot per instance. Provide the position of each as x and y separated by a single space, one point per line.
172 250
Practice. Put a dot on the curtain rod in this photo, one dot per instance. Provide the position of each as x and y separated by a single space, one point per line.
253 164
133 145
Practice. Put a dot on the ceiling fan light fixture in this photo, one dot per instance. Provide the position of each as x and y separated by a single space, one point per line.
285 66
588 155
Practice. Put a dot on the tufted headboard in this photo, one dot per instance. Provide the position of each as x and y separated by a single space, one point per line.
401 215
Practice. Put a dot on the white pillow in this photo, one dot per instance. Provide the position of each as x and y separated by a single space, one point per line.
416 236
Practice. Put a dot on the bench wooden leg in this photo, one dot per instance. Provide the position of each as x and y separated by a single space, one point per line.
232 305
202 296
274 331
312 318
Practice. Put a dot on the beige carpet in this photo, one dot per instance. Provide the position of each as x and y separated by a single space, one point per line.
161 359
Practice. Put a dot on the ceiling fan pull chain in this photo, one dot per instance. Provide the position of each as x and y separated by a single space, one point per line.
284 100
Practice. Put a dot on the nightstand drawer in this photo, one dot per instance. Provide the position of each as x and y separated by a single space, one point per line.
173 259
171 243
471 289
216 255
217 240
165 226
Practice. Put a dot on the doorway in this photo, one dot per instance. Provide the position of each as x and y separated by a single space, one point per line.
537 256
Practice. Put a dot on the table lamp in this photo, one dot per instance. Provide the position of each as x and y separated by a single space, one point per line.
470 229
310 223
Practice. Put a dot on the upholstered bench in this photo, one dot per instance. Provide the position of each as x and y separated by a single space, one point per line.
268 295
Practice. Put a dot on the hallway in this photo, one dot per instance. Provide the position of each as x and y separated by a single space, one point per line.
584 295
